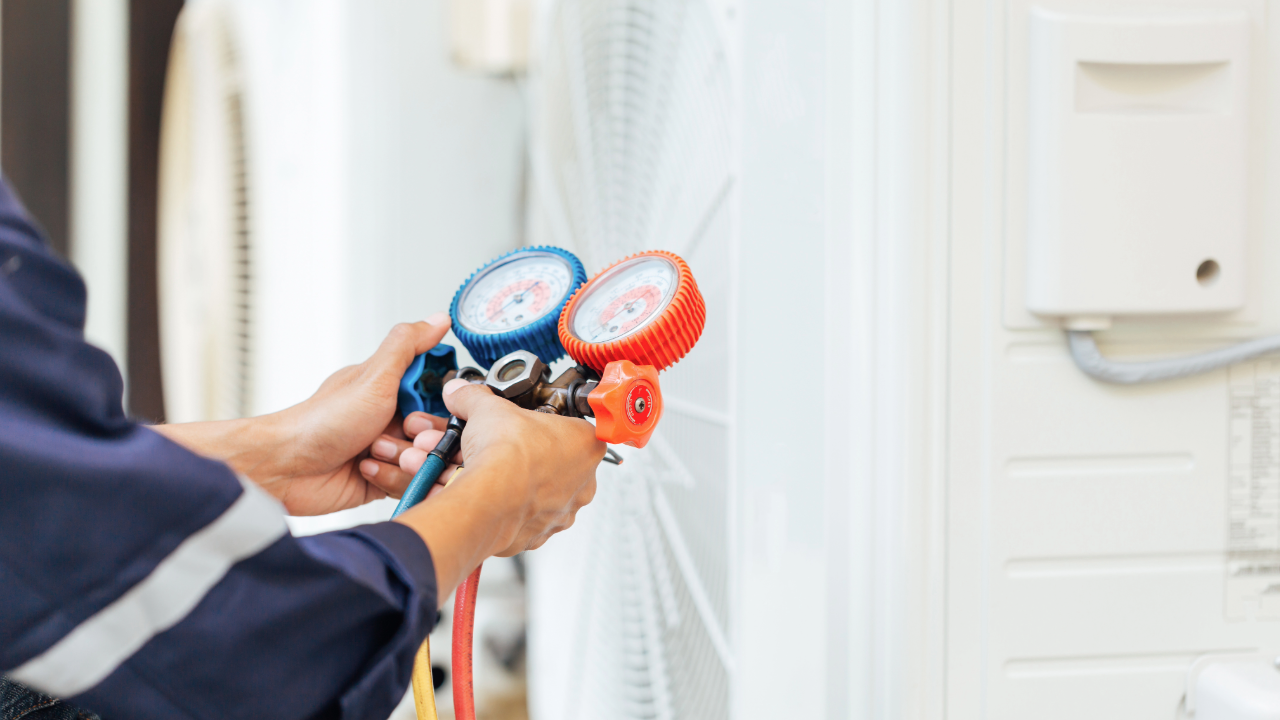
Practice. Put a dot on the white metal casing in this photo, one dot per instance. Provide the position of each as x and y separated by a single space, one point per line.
964 526
1238 691
1139 151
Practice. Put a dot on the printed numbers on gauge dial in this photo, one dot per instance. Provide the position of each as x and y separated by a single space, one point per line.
512 294
620 303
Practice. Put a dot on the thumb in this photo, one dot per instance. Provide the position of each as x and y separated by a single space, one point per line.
464 398
408 340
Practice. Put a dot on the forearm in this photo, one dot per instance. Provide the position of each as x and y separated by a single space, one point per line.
251 446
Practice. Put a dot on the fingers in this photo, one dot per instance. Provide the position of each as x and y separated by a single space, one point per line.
464 398
427 442
388 449
388 478
408 340
385 469
420 422
534 541
586 494
412 459
580 432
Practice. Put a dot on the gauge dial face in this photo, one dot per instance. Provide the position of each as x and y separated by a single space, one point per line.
513 293
630 296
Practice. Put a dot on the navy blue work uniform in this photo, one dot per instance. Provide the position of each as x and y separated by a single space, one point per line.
139 580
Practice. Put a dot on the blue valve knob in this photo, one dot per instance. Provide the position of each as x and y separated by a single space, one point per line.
421 388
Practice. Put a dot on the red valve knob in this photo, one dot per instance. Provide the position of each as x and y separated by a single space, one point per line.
627 403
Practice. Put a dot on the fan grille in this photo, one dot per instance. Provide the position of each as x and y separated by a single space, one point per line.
632 148
635 121
238 385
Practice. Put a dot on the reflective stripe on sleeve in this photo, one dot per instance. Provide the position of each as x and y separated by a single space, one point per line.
99 645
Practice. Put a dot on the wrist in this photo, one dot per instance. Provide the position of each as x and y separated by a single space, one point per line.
469 521
484 494
250 446
257 448
498 487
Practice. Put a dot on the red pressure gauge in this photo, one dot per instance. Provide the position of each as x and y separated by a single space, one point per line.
645 308
633 319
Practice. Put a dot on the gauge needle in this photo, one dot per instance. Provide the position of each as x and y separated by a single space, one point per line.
627 308
518 297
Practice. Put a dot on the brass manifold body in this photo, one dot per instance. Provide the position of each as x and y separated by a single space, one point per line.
524 379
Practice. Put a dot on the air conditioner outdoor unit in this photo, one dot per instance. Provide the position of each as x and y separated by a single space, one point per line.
881 488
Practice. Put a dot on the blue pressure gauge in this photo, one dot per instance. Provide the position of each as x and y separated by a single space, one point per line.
514 303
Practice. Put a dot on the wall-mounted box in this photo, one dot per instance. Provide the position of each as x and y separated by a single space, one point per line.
1138 162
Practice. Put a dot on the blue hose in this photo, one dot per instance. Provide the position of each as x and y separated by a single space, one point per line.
421 484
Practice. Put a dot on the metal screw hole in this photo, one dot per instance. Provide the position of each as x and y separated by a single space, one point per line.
1207 273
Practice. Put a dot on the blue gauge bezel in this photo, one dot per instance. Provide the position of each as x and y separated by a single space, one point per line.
540 337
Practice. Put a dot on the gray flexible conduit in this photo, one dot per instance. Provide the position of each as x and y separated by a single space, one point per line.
1084 350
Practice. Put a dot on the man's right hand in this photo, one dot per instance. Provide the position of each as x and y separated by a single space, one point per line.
527 474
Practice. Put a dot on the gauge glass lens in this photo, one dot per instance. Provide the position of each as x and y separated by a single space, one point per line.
513 293
622 302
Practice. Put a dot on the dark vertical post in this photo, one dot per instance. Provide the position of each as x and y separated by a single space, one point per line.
151 24
35 109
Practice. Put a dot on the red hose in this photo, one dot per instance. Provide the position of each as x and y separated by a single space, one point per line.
464 622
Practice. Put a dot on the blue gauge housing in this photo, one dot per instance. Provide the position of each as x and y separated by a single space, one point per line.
421 388
540 337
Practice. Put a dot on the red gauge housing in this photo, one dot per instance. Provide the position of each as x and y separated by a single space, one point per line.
661 341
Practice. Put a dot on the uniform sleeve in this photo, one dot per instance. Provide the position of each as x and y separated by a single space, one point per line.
139 580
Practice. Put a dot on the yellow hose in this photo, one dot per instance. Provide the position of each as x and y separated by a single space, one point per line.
424 693
424 687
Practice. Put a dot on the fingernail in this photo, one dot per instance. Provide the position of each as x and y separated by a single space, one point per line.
416 424
384 449
369 468
453 385
440 318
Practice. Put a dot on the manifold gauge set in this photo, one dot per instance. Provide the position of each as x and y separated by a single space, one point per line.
526 309
516 316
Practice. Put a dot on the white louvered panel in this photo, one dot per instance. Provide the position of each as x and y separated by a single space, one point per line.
633 150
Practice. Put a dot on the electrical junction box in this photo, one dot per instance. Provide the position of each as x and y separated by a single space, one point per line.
1138 156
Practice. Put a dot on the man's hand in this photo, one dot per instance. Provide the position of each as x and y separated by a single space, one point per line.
339 448
527 474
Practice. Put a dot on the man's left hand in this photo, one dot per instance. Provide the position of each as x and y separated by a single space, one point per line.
338 449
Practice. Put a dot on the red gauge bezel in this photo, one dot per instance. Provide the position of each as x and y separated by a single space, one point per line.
660 343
